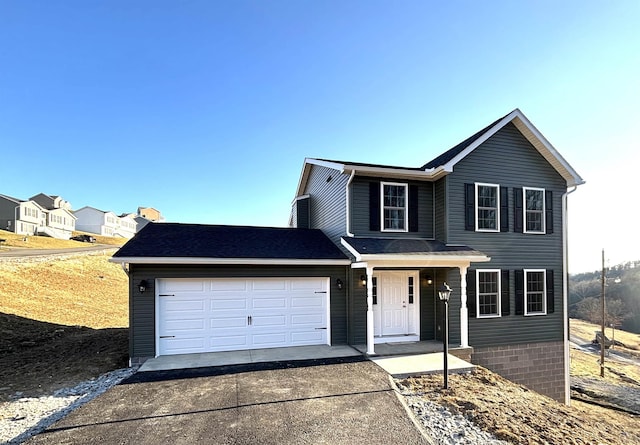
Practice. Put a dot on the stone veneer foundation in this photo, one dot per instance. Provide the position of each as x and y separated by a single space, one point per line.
538 366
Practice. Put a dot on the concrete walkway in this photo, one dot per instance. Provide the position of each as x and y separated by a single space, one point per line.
412 361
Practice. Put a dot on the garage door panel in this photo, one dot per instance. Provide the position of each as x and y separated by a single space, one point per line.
273 339
230 322
315 320
308 302
306 337
228 303
271 284
185 285
235 314
269 303
266 320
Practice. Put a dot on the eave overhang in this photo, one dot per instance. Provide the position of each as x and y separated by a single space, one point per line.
231 261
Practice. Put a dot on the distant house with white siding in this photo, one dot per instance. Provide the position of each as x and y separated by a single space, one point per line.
106 223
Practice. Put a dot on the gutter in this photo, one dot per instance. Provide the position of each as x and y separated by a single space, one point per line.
565 297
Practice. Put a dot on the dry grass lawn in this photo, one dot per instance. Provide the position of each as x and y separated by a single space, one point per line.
586 330
84 290
45 242
588 365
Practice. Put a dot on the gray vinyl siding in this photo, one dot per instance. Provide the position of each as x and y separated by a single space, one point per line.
508 159
357 309
327 201
427 305
440 205
142 306
360 209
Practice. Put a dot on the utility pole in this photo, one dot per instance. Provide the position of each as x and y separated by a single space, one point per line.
602 337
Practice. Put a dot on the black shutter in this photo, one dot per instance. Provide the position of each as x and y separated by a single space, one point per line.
504 298
504 209
517 210
413 208
519 274
549 211
469 207
550 292
374 206
471 293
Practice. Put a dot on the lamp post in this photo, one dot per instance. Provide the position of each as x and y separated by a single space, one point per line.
444 293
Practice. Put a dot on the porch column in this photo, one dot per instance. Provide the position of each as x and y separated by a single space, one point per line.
464 313
370 347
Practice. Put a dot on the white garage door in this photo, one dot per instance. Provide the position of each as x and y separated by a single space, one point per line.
208 315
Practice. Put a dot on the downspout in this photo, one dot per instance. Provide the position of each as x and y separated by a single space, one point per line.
347 210
565 298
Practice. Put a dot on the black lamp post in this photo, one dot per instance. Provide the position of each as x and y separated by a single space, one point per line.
444 293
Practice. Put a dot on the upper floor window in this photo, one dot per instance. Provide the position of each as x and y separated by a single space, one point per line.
487 207
394 207
488 293
535 292
534 210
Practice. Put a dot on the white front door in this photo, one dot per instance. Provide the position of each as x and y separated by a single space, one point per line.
393 303
396 308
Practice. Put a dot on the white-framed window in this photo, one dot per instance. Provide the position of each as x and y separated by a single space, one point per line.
488 293
535 292
487 207
394 213
534 210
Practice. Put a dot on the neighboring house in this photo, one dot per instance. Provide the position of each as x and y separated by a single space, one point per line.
21 217
60 221
51 201
106 223
150 214
368 247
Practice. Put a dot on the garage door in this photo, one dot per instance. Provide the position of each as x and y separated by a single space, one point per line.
209 315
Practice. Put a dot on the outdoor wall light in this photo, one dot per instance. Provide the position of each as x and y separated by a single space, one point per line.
339 284
142 286
363 280
429 280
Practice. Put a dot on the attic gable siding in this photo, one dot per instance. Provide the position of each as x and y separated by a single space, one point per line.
508 159
327 201
360 209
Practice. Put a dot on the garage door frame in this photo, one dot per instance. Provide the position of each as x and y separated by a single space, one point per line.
157 301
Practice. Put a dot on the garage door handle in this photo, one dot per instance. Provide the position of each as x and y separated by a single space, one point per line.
320 292
249 320
167 336
317 329
166 295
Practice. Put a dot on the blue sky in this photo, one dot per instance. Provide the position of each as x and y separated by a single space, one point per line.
207 109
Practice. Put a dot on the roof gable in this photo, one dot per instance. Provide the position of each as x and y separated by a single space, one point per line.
450 158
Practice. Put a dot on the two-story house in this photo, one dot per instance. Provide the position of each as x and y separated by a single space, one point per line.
60 221
367 249
105 223
20 216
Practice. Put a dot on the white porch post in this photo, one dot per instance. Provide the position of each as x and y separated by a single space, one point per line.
464 313
370 347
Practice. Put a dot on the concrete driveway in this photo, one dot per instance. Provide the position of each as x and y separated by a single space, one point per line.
339 401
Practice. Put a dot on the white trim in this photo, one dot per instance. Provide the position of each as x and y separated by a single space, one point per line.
232 261
464 312
524 211
156 335
544 292
406 206
420 260
497 187
328 310
565 297
498 296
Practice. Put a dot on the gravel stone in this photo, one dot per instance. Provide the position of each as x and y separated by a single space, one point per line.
24 417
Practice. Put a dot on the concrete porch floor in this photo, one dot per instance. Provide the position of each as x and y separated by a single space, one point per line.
397 359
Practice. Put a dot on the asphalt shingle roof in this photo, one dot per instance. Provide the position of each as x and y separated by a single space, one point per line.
381 246
161 240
